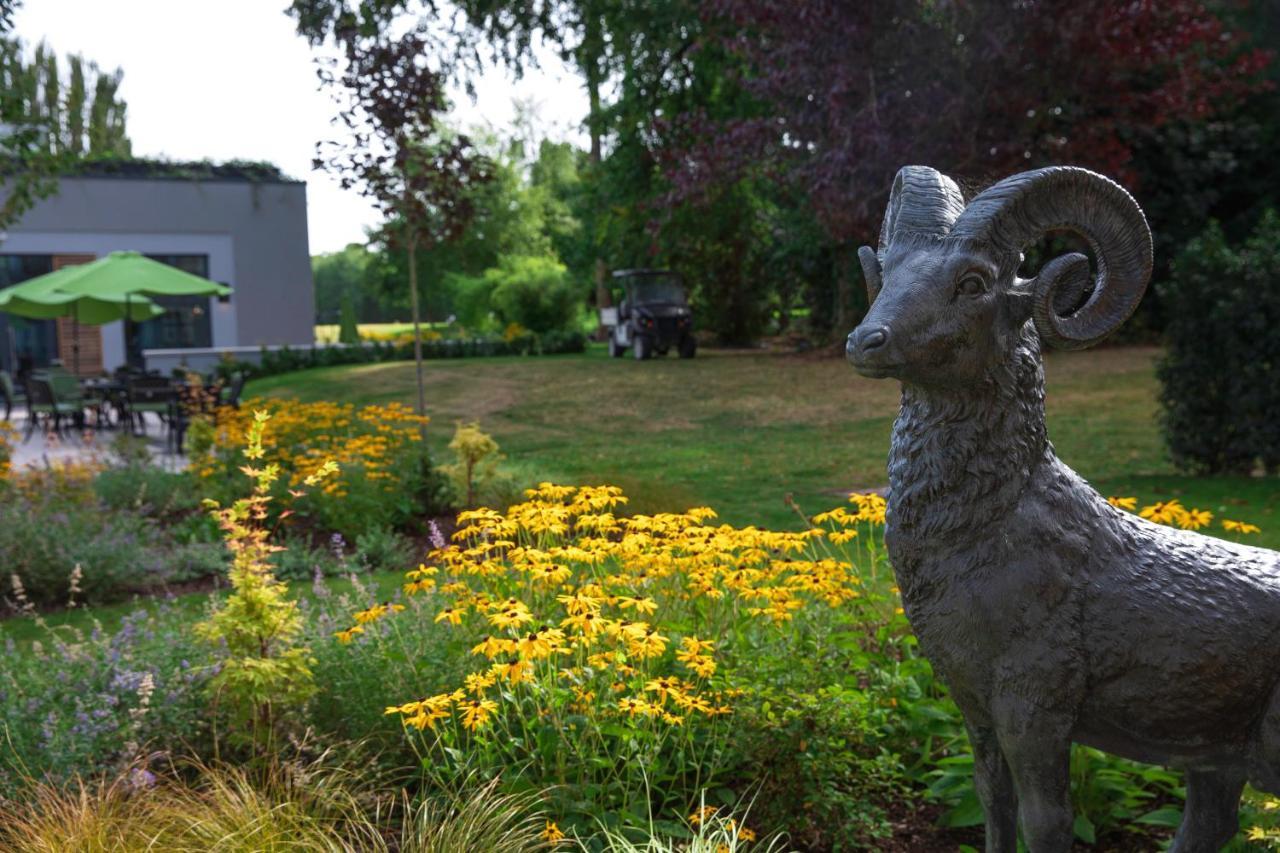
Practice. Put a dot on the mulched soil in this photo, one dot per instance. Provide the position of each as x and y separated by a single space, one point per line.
916 830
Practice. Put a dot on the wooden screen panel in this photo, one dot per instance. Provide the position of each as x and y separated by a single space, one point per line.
89 337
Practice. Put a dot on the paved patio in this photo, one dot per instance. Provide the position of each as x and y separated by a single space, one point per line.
73 445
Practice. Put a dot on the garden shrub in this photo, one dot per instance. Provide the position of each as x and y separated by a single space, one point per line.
356 680
53 522
559 340
1221 399
382 549
476 462
264 673
147 489
78 704
817 756
535 292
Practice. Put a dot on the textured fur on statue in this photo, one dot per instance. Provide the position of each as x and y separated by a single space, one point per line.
1052 616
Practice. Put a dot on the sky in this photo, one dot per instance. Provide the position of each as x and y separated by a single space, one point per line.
231 79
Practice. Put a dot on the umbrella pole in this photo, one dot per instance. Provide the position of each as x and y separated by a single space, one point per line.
75 338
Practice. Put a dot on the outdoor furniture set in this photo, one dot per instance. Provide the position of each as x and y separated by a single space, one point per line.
55 399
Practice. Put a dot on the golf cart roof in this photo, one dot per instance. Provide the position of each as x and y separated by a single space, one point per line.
643 272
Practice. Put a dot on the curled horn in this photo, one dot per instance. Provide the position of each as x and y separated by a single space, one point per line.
1019 210
923 202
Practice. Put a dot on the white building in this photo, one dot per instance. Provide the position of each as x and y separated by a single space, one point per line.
245 227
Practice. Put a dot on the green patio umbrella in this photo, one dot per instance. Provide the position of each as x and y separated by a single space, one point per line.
42 298
130 274
121 278
133 276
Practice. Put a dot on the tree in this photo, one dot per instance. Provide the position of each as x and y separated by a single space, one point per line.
69 120
723 128
398 155
348 329
46 120
977 89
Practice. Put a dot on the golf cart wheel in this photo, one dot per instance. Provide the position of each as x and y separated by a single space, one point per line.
642 347
688 347
615 349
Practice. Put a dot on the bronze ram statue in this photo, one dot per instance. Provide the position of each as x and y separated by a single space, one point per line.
1052 616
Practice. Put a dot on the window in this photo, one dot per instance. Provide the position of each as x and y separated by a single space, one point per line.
25 344
185 323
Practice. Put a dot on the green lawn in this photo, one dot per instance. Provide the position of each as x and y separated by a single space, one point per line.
741 430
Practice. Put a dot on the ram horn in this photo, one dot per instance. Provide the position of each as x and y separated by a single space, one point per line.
1021 209
923 202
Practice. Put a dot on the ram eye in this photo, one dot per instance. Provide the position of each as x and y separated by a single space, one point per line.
971 284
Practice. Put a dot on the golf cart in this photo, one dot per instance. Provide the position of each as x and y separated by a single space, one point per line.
652 317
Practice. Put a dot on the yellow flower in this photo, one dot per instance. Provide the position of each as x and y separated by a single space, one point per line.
552 833
452 614
1123 503
540 644
651 645
478 682
1164 512
702 814
1194 519
476 714
511 616
377 612
491 647
348 635
588 623
1239 526
641 605
694 646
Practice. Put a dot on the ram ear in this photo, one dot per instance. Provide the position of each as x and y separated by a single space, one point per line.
871 270
1020 299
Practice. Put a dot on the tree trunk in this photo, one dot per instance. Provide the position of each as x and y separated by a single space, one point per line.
592 46
417 328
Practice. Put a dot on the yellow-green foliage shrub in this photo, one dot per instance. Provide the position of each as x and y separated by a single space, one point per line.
263 672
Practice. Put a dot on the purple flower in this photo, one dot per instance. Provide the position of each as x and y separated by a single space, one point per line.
141 779
434 534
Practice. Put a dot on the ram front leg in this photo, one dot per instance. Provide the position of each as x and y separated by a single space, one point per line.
995 789
1037 746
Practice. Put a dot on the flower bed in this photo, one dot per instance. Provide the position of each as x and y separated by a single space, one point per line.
384 481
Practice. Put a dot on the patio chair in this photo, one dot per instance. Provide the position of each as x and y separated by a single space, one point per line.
154 394
9 393
230 396
43 404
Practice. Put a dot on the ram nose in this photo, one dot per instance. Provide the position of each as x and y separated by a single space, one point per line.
865 340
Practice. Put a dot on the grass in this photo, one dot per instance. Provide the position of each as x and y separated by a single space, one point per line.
739 431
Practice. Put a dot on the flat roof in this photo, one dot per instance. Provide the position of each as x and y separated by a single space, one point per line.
234 171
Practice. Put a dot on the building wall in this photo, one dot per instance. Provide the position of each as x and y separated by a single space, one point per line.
254 234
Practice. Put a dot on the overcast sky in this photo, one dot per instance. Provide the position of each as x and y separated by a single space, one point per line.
230 79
